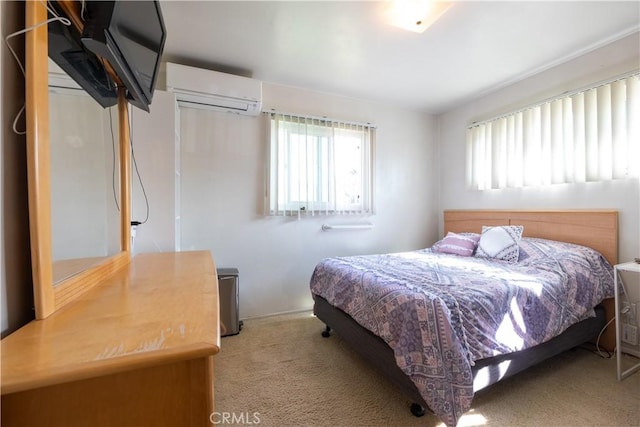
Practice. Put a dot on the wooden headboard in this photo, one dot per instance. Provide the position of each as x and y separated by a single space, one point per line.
597 229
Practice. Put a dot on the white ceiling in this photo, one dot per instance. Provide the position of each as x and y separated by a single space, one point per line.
346 48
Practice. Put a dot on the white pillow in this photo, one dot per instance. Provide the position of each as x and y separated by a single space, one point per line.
500 242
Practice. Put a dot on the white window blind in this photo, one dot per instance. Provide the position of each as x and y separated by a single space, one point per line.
588 135
319 166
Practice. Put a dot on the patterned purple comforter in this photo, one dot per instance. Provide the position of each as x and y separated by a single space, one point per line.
440 313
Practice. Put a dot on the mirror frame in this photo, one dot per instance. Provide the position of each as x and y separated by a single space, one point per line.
47 297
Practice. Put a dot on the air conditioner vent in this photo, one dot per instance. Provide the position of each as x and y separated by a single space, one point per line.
207 89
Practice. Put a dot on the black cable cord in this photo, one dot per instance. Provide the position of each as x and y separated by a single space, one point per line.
135 164
113 169
113 148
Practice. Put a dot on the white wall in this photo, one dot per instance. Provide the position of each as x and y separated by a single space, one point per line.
223 185
623 195
154 141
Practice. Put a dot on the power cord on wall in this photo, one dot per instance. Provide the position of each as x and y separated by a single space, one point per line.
113 158
135 224
135 164
56 17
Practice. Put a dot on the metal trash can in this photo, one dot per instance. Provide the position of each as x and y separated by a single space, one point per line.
228 295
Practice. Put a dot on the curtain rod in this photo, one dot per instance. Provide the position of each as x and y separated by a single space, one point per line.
321 118
565 94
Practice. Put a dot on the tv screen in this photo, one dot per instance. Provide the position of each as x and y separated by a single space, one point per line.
66 50
130 35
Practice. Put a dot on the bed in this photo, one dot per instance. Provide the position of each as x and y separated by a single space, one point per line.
402 311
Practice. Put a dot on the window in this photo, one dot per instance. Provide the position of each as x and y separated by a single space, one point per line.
319 166
588 135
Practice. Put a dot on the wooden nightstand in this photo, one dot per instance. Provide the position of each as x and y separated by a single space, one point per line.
632 267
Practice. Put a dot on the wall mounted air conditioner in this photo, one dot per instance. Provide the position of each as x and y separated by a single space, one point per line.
212 90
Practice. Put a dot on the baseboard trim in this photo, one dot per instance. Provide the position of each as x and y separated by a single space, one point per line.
280 313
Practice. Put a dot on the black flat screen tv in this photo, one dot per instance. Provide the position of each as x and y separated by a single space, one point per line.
130 35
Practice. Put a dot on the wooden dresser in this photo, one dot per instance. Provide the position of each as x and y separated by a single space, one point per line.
135 350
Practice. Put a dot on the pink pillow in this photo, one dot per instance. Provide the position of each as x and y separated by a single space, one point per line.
458 244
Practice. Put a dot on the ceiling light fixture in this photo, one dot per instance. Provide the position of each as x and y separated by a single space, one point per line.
416 15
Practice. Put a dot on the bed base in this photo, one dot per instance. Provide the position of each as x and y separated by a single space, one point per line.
491 370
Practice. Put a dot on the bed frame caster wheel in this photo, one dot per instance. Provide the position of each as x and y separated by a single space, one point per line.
417 410
327 332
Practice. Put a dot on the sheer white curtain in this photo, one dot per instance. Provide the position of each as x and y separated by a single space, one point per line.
319 166
589 135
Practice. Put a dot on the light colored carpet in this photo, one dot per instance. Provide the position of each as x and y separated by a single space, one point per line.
279 371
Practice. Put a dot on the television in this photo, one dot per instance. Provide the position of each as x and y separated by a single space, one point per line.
130 35
66 50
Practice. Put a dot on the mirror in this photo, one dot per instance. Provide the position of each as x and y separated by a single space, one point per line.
91 266
84 178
